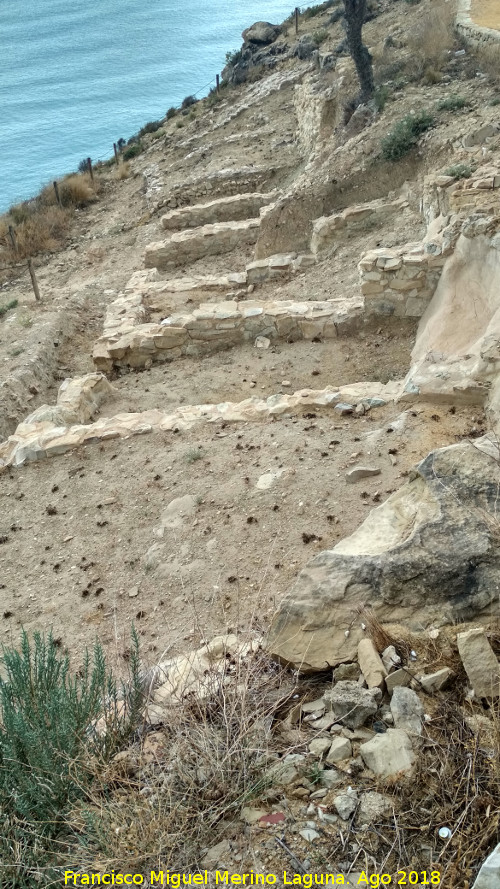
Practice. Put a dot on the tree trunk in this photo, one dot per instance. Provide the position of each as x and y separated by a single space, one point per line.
355 11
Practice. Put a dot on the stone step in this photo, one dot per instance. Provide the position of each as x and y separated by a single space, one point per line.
187 246
37 439
216 326
278 265
228 209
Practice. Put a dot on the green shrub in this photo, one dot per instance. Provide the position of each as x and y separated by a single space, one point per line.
459 171
47 740
188 101
171 113
312 11
150 127
405 135
232 58
12 304
83 166
132 151
452 103
320 36
380 97
495 100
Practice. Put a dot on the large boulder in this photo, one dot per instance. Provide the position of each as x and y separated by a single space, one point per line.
261 33
430 555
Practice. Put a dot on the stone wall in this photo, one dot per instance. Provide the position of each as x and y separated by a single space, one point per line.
474 34
39 440
215 326
277 266
328 230
185 247
399 281
445 196
222 183
233 208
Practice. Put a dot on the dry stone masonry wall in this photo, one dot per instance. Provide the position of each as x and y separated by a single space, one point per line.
233 208
473 33
187 246
400 281
212 327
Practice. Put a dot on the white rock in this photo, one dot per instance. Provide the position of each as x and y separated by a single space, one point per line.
480 663
340 749
345 803
489 875
388 754
319 746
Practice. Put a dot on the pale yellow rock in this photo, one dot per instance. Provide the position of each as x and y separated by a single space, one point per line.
481 665
371 664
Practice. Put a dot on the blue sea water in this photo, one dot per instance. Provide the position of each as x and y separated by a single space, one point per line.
77 75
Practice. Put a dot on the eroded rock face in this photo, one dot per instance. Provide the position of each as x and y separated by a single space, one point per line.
428 555
261 33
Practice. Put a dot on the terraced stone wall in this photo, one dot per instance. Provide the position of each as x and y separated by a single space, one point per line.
399 282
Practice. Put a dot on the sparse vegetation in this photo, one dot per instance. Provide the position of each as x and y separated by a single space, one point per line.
452 103
150 127
380 97
405 135
122 171
133 151
431 40
312 11
188 101
320 36
171 112
12 304
194 454
459 171
232 58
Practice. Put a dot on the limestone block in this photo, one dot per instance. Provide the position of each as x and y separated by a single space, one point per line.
388 754
433 682
371 664
340 749
397 678
481 665
233 208
489 875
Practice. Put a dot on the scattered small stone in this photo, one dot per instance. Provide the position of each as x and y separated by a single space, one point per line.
396 679
309 834
340 749
351 704
262 342
344 409
319 746
433 682
346 803
359 472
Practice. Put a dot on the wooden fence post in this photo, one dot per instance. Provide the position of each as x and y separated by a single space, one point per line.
13 239
116 153
296 19
89 165
33 280
217 80
58 196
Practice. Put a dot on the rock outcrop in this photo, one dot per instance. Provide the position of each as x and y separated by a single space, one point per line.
430 555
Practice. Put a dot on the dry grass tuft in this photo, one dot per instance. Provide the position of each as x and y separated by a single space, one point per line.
122 171
166 808
41 224
432 38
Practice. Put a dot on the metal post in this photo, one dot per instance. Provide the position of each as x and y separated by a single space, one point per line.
89 165
58 196
116 153
296 19
217 80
